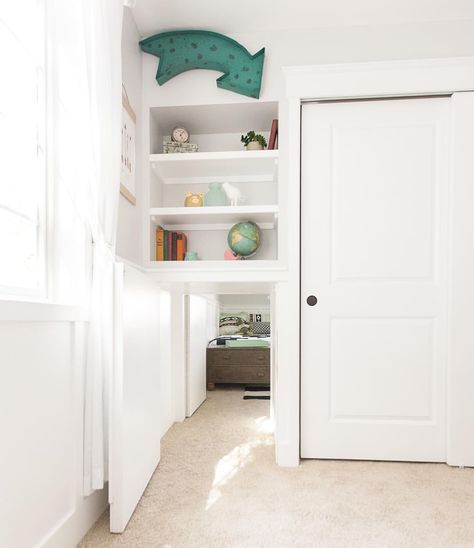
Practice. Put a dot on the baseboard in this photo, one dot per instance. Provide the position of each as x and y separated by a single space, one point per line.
69 533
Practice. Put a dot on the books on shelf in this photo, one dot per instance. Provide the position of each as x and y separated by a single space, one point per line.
170 245
273 140
171 147
160 244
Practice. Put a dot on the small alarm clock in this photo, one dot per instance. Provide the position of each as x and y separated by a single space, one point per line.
180 135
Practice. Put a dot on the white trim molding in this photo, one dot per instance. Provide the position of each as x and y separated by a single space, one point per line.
380 79
430 77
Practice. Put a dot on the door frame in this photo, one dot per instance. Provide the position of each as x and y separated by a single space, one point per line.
384 80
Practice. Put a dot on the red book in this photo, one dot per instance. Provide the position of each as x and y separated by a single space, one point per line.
272 141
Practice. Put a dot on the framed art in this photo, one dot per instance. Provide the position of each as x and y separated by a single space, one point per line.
128 155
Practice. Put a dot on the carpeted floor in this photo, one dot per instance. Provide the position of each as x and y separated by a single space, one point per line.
217 486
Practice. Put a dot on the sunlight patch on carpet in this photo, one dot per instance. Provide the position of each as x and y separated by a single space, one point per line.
229 465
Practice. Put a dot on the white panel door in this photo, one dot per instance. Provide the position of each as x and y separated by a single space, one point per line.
135 410
374 254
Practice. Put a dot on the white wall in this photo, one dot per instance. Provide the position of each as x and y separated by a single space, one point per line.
253 304
129 230
318 45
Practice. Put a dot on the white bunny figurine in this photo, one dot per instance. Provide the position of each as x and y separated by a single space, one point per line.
233 193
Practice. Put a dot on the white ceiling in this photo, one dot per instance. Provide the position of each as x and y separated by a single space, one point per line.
237 17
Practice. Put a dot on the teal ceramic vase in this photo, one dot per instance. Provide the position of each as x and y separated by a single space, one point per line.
215 196
191 256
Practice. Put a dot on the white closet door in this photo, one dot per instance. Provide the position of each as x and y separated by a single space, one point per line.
374 253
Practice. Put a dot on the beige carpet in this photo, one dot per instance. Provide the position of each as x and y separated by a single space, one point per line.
218 486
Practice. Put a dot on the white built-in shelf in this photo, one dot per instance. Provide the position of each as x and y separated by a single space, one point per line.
240 166
215 119
250 265
251 271
213 218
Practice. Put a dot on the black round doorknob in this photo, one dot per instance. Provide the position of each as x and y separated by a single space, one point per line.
311 300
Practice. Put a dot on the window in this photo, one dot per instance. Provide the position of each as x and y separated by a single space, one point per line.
22 149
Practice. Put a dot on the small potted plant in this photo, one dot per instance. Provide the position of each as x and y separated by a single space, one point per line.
254 141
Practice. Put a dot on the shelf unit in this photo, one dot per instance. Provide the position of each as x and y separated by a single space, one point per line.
213 218
256 166
171 176
210 272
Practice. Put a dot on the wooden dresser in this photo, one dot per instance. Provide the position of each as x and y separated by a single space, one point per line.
237 366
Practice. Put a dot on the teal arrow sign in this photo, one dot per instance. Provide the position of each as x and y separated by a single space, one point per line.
184 50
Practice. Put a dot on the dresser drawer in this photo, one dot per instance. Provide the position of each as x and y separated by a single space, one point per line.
238 374
238 356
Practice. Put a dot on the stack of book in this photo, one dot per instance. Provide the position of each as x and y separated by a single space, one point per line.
170 245
170 147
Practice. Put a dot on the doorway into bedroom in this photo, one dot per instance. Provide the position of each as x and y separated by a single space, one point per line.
229 351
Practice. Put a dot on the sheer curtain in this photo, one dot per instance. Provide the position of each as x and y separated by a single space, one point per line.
102 29
87 101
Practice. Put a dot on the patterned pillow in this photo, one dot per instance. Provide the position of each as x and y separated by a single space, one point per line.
260 328
232 323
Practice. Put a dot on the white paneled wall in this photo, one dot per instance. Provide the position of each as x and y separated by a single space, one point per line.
41 423
41 371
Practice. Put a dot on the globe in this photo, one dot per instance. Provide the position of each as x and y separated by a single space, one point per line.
244 238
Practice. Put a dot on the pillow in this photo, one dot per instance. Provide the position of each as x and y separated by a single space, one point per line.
260 328
234 323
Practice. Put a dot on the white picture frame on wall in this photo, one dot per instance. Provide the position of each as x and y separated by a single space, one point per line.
128 154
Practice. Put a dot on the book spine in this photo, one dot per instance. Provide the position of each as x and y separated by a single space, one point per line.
273 135
165 246
174 243
179 248
170 245
160 255
185 244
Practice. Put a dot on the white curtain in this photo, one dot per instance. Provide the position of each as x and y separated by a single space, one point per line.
87 105
102 29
